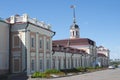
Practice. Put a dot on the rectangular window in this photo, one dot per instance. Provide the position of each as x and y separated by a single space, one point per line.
68 63
79 62
53 63
41 65
76 63
16 41
32 65
59 64
40 44
72 62
48 64
64 63
32 42
47 45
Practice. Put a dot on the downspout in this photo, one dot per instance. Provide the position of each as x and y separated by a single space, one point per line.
10 55
53 52
26 48
52 37
53 34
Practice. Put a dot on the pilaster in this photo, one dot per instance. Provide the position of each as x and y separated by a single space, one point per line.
37 50
28 51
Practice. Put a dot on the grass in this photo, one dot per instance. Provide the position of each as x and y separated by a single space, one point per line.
48 73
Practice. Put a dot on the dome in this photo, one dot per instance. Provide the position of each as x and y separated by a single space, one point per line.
74 26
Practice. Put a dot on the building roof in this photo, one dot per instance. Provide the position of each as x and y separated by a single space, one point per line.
76 41
26 19
61 48
74 26
101 48
101 55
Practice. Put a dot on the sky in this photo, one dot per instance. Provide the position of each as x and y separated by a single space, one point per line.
98 20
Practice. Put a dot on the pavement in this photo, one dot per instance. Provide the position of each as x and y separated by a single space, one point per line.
109 74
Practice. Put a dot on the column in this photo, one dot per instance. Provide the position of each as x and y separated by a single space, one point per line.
27 39
44 58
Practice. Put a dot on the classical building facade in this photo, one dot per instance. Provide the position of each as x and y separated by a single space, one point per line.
31 45
26 46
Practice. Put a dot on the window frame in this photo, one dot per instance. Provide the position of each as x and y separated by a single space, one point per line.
32 65
32 42
16 46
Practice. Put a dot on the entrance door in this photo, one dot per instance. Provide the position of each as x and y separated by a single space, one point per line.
16 65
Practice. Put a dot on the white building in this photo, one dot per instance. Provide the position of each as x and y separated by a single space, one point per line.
4 47
31 45
103 56
68 57
26 46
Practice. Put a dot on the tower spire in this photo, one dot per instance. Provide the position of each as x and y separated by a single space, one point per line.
74 17
74 28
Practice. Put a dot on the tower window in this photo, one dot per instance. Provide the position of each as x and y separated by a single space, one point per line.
73 33
76 33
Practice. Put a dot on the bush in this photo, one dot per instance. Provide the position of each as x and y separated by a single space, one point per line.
73 70
81 69
52 71
90 68
38 75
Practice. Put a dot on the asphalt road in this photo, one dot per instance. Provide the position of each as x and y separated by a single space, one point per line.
110 74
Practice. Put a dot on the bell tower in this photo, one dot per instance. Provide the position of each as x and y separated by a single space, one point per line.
74 28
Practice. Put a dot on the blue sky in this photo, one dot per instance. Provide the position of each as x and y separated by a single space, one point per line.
98 20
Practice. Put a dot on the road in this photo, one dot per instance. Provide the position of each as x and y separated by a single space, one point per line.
110 74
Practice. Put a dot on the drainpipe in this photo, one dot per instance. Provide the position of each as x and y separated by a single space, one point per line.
53 52
53 34
26 49
10 55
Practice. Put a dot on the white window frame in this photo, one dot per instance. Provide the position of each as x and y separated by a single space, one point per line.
54 66
40 43
41 65
48 64
32 42
48 44
32 65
